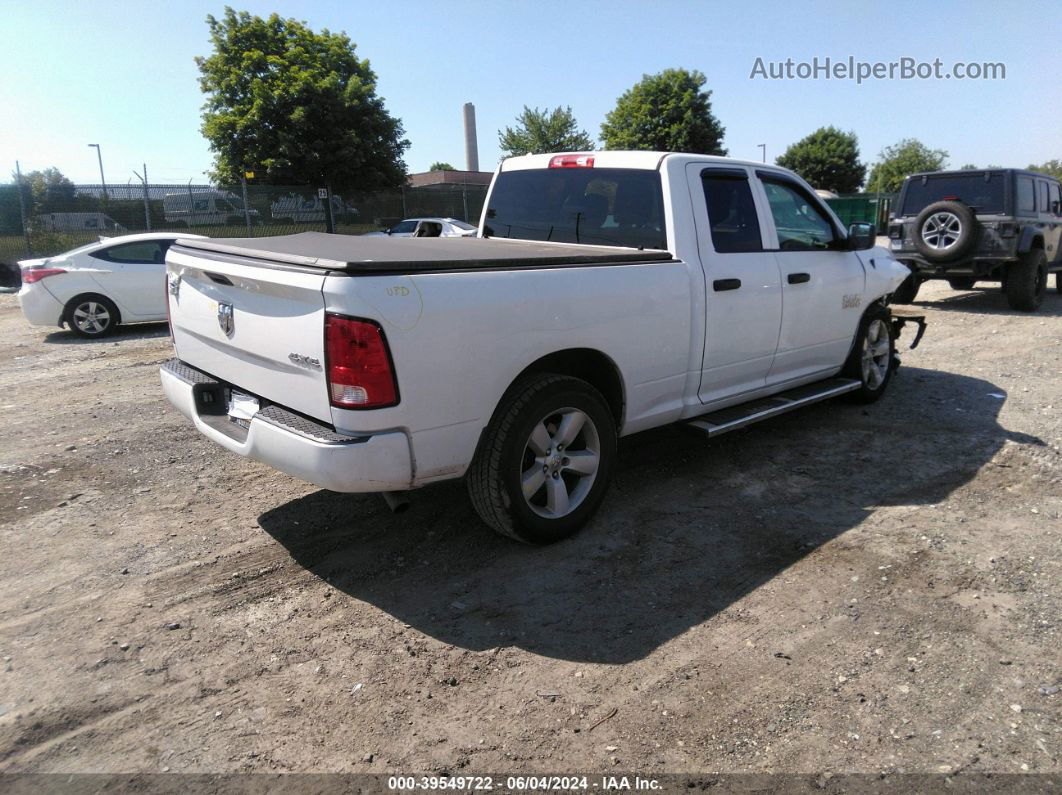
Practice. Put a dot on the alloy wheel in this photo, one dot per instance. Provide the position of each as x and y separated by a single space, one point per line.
91 317
875 357
941 230
560 462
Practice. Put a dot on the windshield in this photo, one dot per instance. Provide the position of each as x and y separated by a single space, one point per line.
982 192
403 227
599 206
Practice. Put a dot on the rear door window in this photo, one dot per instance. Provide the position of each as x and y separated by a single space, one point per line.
144 251
1026 196
1042 186
731 212
598 206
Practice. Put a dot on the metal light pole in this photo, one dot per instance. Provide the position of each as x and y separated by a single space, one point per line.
763 150
99 156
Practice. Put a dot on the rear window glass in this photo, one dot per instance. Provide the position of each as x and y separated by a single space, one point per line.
986 196
599 206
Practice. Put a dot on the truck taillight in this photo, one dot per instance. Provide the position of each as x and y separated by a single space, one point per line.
572 161
31 275
358 363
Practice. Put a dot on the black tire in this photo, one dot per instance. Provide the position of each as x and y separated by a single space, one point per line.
954 239
1027 281
91 315
502 461
907 291
962 283
873 380
1058 282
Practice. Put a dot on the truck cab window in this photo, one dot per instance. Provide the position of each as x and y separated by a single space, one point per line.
731 214
599 206
800 224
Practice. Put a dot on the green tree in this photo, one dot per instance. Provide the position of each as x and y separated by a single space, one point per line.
48 191
539 131
1052 167
293 105
827 159
968 167
441 166
665 112
909 156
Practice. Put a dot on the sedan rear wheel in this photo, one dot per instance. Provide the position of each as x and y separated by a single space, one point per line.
91 316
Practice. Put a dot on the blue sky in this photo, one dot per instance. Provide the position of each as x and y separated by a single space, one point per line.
121 73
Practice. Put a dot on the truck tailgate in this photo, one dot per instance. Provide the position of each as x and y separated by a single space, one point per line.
258 328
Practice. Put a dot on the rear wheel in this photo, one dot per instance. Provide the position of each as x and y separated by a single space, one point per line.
1027 281
544 464
873 357
91 316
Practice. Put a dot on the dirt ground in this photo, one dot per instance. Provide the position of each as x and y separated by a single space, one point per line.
843 589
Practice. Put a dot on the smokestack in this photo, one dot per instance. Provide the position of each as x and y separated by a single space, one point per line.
471 148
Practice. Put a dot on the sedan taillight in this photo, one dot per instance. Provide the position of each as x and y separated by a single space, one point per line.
358 364
31 275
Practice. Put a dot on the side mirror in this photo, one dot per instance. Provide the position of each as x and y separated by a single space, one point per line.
861 237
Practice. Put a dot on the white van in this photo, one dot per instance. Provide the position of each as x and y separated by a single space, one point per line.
299 210
204 208
78 222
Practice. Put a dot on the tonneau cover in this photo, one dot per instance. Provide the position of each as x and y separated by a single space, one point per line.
377 255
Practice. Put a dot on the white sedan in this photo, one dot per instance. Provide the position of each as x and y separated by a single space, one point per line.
427 227
93 288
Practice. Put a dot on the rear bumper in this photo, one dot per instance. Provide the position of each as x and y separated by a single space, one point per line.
40 307
293 444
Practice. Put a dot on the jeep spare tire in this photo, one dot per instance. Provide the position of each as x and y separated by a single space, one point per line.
945 231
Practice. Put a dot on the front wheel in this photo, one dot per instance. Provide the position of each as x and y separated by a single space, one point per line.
873 356
544 464
91 316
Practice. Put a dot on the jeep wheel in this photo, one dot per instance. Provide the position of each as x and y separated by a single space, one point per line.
1058 282
1027 281
945 231
907 291
544 463
962 283
873 357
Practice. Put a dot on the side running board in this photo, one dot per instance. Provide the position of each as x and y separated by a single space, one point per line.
747 413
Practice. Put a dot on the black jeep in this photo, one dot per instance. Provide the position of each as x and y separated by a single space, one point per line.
991 225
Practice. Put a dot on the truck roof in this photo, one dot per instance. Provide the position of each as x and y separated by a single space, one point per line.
372 256
608 158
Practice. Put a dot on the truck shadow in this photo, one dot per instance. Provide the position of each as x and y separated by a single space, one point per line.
689 528
989 300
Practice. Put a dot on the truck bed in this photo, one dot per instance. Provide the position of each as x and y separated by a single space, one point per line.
375 256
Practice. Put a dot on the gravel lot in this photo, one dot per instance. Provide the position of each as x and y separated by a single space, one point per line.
842 589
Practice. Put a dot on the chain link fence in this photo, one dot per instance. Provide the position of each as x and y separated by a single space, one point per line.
67 216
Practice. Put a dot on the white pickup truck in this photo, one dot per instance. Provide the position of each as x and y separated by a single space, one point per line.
606 293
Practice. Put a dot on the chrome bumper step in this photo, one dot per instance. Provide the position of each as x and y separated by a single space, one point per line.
719 422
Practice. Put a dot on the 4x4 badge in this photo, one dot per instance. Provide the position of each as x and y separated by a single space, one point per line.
226 319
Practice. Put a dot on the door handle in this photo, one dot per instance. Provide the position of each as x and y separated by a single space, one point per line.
799 278
721 285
